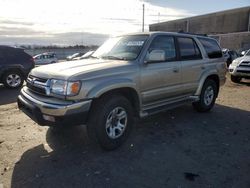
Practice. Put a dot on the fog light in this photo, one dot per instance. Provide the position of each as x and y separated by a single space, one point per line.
49 118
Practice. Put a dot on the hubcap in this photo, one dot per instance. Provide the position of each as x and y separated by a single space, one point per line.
13 80
209 95
116 122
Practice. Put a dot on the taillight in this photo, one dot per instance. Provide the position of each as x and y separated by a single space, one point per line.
32 60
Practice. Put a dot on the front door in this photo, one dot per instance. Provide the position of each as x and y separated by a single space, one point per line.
160 80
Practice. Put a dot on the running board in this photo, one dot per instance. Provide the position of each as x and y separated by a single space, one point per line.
168 106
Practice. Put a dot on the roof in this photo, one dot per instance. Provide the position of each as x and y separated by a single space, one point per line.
165 32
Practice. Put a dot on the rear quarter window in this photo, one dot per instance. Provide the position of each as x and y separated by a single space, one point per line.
23 54
211 47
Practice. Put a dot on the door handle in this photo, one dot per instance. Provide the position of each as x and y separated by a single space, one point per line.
175 70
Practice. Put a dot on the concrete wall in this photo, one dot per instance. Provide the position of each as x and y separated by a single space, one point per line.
230 21
230 28
234 41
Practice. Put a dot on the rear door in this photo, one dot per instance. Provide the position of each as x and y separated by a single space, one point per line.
191 64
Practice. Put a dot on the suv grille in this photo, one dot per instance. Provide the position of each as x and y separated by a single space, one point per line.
37 85
245 64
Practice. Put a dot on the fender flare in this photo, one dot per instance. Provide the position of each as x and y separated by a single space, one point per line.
109 85
203 78
9 68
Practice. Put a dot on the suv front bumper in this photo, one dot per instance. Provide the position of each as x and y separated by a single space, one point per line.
52 114
239 71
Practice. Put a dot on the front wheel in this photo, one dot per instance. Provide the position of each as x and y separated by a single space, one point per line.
111 121
208 96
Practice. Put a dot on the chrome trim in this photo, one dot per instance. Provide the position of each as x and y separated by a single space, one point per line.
43 85
55 109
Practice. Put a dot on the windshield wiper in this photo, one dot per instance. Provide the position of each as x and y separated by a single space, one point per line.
94 57
113 57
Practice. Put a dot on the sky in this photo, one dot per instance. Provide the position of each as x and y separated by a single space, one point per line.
91 22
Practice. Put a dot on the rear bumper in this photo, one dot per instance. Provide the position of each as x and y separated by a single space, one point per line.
38 111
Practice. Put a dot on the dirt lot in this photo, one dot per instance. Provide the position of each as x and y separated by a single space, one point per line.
179 148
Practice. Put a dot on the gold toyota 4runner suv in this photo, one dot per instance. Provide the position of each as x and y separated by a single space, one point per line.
129 76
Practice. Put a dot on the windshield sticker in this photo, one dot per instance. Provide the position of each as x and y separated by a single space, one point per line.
135 43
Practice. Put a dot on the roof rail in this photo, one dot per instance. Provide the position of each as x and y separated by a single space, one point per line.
181 31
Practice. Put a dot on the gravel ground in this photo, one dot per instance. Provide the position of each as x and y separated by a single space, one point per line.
178 148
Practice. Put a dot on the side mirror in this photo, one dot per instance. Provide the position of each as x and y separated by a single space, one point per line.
155 56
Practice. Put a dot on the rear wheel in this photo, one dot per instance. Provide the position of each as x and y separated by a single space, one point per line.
235 79
111 121
13 79
208 96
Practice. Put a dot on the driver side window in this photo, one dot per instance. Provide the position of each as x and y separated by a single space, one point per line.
164 44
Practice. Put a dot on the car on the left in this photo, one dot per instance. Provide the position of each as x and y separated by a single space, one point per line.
15 66
45 58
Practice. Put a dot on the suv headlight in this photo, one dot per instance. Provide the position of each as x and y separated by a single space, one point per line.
235 63
62 87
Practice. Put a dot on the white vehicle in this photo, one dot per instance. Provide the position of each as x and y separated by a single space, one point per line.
45 58
85 56
240 68
75 55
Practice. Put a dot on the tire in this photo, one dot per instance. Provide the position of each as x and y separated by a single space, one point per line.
104 126
208 96
59 129
13 79
235 79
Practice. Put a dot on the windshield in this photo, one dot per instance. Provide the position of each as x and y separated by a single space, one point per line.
121 48
248 53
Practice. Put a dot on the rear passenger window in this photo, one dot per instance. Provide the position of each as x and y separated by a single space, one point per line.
188 49
165 43
21 54
212 48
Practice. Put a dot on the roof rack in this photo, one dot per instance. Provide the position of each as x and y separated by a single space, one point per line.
181 31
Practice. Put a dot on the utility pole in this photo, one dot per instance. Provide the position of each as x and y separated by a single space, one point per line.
158 17
187 26
248 29
143 11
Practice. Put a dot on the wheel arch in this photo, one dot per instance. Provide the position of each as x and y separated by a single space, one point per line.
9 69
212 76
128 92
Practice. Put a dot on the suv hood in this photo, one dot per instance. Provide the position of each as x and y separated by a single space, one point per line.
243 58
73 70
